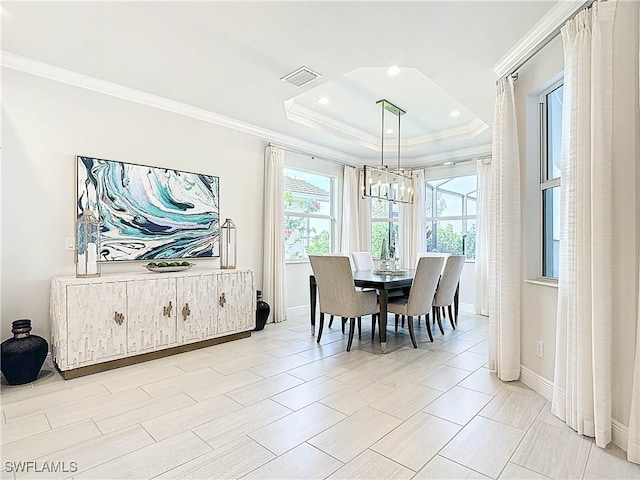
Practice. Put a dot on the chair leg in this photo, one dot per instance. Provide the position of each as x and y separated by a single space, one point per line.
403 317
397 317
330 321
451 320
411 332
359 328
439 320
320 328
373 327
344 322
352 327
429 327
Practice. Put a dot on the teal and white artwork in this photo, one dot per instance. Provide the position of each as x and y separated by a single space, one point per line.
147 212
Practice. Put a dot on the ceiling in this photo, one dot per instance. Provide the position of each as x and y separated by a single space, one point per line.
228 58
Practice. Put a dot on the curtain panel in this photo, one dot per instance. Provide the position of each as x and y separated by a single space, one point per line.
504 238
350 231
483 219
274 287
413 225
582 379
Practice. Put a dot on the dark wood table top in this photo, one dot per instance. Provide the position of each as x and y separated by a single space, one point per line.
369 279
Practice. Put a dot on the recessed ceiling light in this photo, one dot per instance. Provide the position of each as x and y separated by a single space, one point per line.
455 113
449 163
323 100
389 130
394 70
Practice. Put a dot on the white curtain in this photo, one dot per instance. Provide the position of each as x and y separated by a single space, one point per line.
633 442
582 380
350 241
274 287
412 225
364 217
483 219
504 239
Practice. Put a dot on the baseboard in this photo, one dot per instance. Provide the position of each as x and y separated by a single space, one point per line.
619 434
296 311
619 431
536 382
467 307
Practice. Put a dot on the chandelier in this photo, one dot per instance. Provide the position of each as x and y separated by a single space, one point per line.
384 183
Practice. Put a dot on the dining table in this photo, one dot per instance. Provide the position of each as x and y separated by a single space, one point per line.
382 282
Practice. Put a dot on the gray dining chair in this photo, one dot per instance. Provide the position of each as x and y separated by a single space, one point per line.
446 290
338 294
421 295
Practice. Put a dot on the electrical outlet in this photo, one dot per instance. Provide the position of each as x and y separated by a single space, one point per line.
70 243
540 349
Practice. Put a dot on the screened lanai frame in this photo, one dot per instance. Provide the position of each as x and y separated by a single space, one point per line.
463 188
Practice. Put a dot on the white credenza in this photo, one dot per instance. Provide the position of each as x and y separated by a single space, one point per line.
114 320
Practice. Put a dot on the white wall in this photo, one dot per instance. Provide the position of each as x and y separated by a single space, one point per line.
45 124
538 317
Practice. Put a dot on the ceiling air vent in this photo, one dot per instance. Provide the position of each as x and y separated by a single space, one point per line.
301 76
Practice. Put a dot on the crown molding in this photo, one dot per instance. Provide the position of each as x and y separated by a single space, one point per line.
62 75
546 27
316 120
313 119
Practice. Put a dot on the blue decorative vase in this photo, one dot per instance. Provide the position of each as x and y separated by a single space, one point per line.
23 355
262 312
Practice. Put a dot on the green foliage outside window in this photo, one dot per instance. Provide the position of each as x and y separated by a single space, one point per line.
301 238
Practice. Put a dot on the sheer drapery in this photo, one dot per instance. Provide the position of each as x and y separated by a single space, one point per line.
582 380
350 241
633 441
274 289
412 225
364 217
504 238
483 217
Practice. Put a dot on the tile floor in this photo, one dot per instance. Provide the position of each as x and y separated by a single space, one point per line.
278 405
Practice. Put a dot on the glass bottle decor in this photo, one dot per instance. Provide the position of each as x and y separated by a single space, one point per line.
228 254
87 243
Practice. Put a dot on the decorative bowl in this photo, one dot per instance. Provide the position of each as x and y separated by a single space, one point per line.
168 268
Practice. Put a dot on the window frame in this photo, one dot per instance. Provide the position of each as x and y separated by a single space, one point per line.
332 209
433 219
545 183
390 221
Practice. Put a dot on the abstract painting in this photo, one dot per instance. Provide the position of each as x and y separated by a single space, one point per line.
148 212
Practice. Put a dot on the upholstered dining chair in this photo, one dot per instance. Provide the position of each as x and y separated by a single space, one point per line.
338 294
421 295
362 260
446 290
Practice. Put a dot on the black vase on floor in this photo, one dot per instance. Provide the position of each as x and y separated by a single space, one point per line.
23 355
262 312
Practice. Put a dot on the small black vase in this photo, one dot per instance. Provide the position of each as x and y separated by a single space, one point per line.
262 312
23 355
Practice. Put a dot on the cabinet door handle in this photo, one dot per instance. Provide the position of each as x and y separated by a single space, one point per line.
185 312
222 300
118 318
166 311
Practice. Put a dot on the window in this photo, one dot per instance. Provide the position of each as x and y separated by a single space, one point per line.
550 145
451 215
384 221
308 215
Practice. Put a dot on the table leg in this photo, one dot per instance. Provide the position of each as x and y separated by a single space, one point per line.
313 293
382 319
